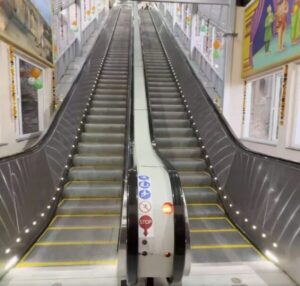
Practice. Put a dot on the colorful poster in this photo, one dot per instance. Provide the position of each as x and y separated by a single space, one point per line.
271 34
27 24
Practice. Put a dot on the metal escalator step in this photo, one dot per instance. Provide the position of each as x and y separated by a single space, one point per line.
106 118
214 237
113 81
210 223
169 115
107 111
90 206
110 104
191 152
93 189
171 123
71 255
102 137
177 142
195 178
86 148
160 107
95 174
113 86
98 127
200 210
112 92
83 233
109 97
200 195
225 254
166 101
84 220
92 160
161 83
173 132
189 165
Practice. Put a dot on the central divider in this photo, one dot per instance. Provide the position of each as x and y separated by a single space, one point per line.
161 234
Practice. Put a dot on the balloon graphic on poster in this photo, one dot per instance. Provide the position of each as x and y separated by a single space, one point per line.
38 84
31 81
35 72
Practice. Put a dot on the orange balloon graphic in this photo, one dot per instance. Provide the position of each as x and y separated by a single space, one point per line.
35 72
217 44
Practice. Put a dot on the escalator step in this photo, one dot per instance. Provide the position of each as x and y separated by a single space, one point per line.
85 220
213 237
200 195
102 137
191 152
95 174
92 160
111 128
210 223
225 254
209 210
177 142
195 178
189 165
90 206
89 189
101 148
66 254
173 132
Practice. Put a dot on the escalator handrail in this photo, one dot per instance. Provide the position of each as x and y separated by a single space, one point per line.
181 231
56 117
130 183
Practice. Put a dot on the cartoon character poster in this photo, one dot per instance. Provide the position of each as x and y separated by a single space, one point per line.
271 35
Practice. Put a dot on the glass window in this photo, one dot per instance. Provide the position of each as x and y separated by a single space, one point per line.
296 117
262 108
29 83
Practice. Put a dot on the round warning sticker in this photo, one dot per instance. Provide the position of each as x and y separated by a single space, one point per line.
145 223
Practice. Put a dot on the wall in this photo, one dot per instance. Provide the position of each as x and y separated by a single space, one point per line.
233 103
8 124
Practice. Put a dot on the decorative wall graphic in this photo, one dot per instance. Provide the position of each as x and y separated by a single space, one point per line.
12 81
271 34
283 96
27 24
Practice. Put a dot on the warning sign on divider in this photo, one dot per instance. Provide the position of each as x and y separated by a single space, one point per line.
145 207
145 223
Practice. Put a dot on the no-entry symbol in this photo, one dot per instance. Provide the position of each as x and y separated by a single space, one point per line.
145 223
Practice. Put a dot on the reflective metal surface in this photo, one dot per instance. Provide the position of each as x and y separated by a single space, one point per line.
261 194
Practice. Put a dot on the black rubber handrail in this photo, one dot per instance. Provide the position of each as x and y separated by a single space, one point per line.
44 138
180 226
130 186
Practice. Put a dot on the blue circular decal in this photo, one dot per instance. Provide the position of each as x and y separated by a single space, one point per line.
145 194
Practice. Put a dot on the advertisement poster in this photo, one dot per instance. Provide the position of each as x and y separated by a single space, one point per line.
27 23
271 35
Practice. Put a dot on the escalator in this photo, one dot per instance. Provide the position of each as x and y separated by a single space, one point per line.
85 228
213 237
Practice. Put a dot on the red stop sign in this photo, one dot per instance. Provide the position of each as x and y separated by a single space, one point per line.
145 223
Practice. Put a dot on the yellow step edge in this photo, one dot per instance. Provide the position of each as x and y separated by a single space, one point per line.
214 230
97 167
74 243
205 204
92 199
89 215
93 182
221 246
66 263
94 227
